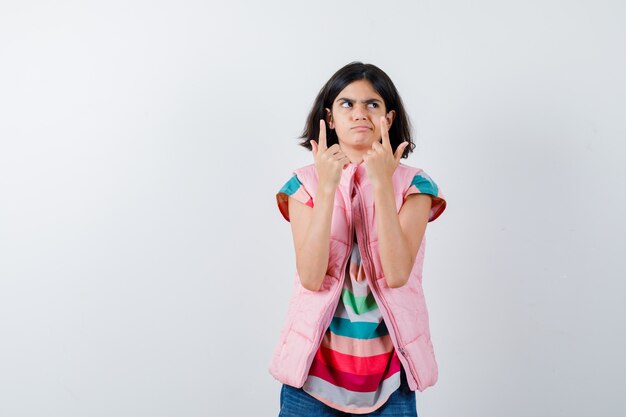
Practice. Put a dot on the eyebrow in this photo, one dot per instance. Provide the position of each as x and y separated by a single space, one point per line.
369 100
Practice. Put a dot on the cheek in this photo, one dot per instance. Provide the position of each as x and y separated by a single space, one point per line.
340 123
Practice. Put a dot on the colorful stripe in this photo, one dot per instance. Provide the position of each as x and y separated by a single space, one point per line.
422 183
292 188
359 305
358 365
354 382
357 330
351 401
364 347
346 312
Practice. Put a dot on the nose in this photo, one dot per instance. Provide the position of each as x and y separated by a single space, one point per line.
359 112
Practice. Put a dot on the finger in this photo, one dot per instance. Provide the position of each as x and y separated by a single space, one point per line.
400 151
334 149
341 159
322 137
384 131
314 147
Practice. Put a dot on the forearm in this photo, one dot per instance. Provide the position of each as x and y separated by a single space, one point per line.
312 261
393 247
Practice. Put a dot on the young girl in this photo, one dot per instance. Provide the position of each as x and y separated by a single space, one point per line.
356 339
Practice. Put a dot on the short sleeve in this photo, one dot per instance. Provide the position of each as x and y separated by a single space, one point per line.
292 188
422 183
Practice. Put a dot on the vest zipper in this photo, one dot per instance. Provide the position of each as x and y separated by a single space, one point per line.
380 300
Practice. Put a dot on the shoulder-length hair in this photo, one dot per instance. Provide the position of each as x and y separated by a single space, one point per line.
400 129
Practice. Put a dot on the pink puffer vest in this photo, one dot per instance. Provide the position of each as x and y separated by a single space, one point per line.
403 309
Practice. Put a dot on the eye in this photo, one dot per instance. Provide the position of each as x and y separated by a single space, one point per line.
373 105
345 104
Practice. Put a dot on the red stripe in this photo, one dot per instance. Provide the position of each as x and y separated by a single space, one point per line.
358 365
357 383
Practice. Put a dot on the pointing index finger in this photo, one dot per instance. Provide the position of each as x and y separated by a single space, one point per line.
322 136
384 131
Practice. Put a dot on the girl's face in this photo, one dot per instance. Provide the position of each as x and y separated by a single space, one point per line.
356 114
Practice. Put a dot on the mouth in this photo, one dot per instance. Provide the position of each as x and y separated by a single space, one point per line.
361 128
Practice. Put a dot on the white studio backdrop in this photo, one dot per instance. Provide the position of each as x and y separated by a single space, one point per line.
145 269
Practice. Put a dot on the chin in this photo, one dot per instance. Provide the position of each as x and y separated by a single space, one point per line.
365 145
361 139
358 140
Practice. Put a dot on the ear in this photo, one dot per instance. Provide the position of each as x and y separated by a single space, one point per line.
329 119
391 116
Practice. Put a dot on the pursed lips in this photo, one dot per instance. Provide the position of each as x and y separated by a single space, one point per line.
361 128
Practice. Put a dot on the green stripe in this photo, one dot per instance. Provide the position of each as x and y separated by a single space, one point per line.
291 186
358 330
359 305
425 184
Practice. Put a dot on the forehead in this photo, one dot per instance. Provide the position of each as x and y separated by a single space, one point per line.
359 90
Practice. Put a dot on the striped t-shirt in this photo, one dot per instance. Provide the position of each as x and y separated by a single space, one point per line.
355 369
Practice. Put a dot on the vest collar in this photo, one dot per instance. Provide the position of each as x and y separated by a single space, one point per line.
351 172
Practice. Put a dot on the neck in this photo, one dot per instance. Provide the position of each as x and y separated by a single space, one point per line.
354 155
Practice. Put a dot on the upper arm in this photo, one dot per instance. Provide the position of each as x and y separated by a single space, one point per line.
413 217
296 206
300 216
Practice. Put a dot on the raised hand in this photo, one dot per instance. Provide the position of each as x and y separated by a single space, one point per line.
380 161
329 162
